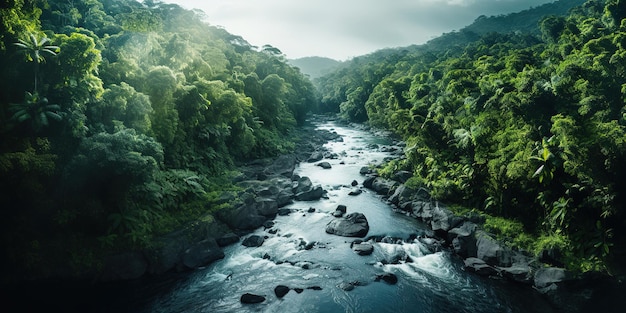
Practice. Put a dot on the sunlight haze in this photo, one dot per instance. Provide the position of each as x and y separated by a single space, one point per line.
342 29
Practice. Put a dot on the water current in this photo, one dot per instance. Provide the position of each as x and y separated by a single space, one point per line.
329 276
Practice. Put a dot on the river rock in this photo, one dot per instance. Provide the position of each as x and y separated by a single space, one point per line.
202 253
302 184
401 194
249 298
346 286
362 248
383 186
479 267
267 207
352 225
489 250
365 170
389 278
284 212
463 239
402 176
283 166
443 219
340 210
253 241
325 165
281 291
243 217
305 191
546 279
354 183
518 272
311 195
315 156
355 192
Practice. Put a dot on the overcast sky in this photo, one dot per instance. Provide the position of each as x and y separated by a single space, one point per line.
342 29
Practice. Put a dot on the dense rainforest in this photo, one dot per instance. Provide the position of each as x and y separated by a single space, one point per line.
121 121
527 128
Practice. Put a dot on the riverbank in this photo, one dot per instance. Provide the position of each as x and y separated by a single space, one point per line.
292 248
467 236
265 185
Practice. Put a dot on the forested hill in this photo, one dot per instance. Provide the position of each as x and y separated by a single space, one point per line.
315 66
120 120
527 130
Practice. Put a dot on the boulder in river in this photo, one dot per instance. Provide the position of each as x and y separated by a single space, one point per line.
250 298
389 278
325 165
313 194
202 253
315 156
352 225
362 248
253 241
479 267
355 192
281 291
305 191
340 210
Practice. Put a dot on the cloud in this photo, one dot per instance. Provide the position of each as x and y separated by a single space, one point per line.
342 29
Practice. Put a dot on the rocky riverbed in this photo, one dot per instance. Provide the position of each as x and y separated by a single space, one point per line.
338 238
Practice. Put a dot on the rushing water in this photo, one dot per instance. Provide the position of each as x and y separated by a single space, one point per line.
430 282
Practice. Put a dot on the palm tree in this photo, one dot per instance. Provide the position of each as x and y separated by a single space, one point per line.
37 110
35 49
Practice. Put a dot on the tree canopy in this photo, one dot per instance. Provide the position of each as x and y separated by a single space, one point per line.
118 117
527 126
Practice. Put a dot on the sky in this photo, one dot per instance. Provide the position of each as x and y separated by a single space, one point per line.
343 29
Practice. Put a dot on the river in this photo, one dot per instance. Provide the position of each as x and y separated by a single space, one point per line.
327 276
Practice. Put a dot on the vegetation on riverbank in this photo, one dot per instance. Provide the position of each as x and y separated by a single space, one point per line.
122 120
529 130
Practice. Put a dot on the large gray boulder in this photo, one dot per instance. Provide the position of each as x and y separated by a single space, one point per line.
315 156
283 166
402 194
305 191
362 248
443 219
479 267
489 250
325 165
243 217
463 239
253 241
383 186
313 194
267 207
202 253
352 225
546 279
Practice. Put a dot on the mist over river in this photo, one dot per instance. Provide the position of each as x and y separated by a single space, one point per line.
321 270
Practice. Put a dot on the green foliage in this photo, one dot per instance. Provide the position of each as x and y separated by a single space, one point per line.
144 109
36 111
522 127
